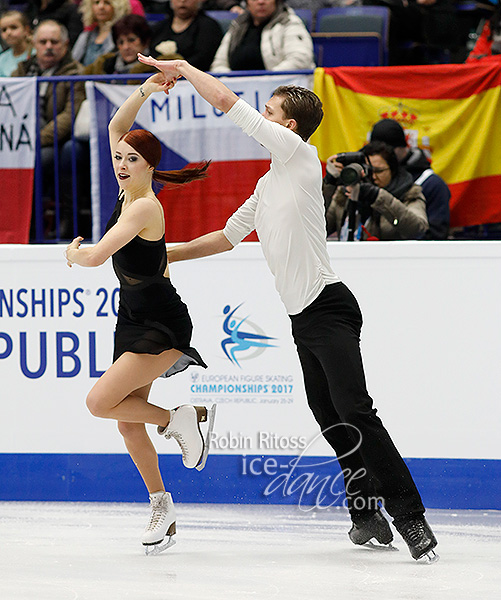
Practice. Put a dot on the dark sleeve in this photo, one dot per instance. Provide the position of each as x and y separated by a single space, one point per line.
437 195
207 40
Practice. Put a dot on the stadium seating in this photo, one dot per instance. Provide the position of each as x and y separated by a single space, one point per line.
347 50
365 23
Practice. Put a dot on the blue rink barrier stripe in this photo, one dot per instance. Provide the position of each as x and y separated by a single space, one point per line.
443 483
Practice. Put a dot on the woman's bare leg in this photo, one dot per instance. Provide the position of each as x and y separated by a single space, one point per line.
115 395
141 448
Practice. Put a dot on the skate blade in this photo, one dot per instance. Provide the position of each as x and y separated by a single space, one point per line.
211 416
154 549
385 547
429 558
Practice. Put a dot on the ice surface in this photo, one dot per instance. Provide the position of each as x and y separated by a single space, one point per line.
70 551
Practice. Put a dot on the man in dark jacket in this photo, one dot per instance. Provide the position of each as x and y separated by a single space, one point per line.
52 57
435 190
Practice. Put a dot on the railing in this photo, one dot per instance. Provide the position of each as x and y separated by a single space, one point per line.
50 231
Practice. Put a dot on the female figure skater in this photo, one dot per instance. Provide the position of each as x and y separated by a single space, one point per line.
154 328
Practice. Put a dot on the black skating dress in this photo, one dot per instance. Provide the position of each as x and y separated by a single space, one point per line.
151 315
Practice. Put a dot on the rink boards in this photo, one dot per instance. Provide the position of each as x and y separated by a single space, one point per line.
430 343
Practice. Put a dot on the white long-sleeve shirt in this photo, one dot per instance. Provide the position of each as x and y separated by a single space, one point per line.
286 210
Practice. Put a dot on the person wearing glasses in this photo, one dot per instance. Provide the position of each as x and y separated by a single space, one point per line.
390 206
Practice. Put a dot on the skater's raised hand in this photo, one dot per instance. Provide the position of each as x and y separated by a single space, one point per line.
169 68
159 83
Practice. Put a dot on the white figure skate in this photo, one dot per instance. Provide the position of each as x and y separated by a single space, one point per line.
161 527
184 427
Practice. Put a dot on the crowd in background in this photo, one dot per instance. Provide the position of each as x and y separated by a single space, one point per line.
66 37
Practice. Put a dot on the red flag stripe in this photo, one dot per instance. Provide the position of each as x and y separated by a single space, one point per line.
439 82
15 205
476 201
203 206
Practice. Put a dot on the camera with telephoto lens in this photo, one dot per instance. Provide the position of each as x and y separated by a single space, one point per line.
355 167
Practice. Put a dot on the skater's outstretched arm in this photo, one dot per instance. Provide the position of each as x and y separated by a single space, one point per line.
123 119
206 245
209 87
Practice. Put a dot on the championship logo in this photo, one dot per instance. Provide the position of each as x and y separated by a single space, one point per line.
247 344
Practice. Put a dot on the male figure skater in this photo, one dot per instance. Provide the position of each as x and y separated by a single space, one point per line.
287 212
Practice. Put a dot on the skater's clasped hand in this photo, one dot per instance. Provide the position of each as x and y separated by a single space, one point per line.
159 82
71 249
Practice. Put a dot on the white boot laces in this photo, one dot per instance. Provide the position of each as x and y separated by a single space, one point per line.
181 441
158 513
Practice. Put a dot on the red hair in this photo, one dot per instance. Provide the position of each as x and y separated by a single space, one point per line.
148 146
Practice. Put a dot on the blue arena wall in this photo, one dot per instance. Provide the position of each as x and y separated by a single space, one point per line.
233 479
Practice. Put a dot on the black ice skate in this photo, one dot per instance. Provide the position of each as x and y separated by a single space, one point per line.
375 526
418 536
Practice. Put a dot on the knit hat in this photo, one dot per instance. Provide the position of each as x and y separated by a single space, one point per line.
389 131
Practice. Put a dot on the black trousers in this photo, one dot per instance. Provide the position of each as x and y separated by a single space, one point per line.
327 336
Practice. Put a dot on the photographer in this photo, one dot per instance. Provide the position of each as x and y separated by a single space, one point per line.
384 204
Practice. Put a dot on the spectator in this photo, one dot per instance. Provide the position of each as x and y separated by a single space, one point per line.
197 36
16 36
131 34
52 58
389 207
267 36
489 41
62 11
98 17
435 190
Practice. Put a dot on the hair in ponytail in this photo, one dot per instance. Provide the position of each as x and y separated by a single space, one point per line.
148 146
181 176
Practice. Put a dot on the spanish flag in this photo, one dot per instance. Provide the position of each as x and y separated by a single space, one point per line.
452 112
